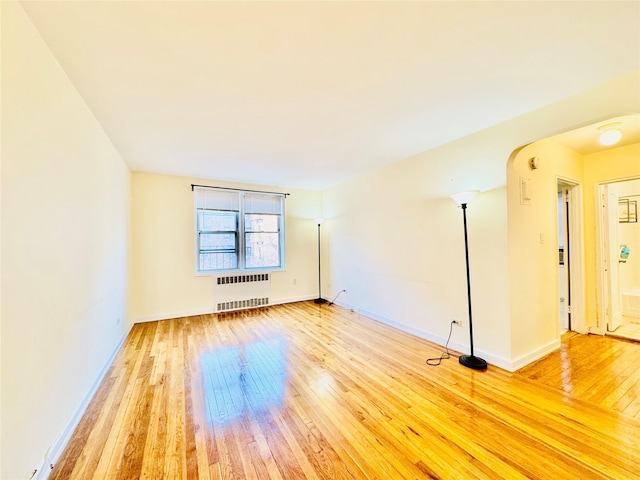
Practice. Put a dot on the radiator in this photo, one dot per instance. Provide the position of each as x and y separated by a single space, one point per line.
237 292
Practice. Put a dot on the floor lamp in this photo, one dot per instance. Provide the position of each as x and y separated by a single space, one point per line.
319 300
470 361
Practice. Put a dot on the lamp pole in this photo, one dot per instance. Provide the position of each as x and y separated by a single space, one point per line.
470 361
319 300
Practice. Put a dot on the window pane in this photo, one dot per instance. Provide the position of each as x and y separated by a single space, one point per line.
261 223
218 261
218 242
216 221
262 249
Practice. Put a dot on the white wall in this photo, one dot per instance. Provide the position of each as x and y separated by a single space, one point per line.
65 235
395 239
165 284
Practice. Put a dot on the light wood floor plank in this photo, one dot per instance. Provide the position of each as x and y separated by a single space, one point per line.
302 391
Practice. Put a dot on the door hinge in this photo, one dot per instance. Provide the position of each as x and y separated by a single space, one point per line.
568 308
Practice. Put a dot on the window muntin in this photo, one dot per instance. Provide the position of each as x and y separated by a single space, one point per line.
238 230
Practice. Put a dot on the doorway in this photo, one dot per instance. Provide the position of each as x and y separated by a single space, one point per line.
618 262
564 277
569 264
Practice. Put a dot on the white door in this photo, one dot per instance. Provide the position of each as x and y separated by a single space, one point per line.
613 295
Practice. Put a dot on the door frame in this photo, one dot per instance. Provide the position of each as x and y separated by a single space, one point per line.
575 265
601 327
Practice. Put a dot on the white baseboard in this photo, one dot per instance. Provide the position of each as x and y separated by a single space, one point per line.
168 316
206 311
282 301
534 355
492 359
56 449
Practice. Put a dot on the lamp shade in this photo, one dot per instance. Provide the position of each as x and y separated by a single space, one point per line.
462 198
319 220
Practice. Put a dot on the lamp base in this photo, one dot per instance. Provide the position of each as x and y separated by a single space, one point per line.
319 300
471 361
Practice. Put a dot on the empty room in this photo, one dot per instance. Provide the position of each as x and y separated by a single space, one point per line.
319 240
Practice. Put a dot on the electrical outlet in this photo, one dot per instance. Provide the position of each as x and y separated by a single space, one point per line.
118 321
457 323
295 281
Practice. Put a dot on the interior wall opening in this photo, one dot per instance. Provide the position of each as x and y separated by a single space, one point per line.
570 267
618 260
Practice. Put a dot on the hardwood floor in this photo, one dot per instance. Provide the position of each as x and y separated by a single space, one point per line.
598 369
305 391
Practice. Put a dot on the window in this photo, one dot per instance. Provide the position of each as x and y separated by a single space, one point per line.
238 230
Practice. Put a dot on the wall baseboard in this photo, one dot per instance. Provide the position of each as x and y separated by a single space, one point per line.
491 358
207 311
169 316
56 449
536 354
282 301
504 363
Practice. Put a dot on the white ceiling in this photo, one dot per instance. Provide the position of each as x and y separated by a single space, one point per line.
309 94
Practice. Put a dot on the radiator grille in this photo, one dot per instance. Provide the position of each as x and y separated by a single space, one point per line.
241 291
231 279
240 304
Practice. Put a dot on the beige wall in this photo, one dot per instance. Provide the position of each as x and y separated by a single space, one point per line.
610 165
65 234
165 284
395 240
533 245
399 252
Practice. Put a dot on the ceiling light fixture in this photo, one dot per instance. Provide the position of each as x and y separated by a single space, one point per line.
609 134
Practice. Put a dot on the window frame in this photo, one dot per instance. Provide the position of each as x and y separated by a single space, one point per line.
199 233
240 232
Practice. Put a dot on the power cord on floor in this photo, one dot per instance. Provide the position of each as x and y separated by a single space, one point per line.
334 299
434 362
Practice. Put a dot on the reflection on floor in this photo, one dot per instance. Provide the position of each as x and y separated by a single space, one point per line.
597 369
629 329
251 376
